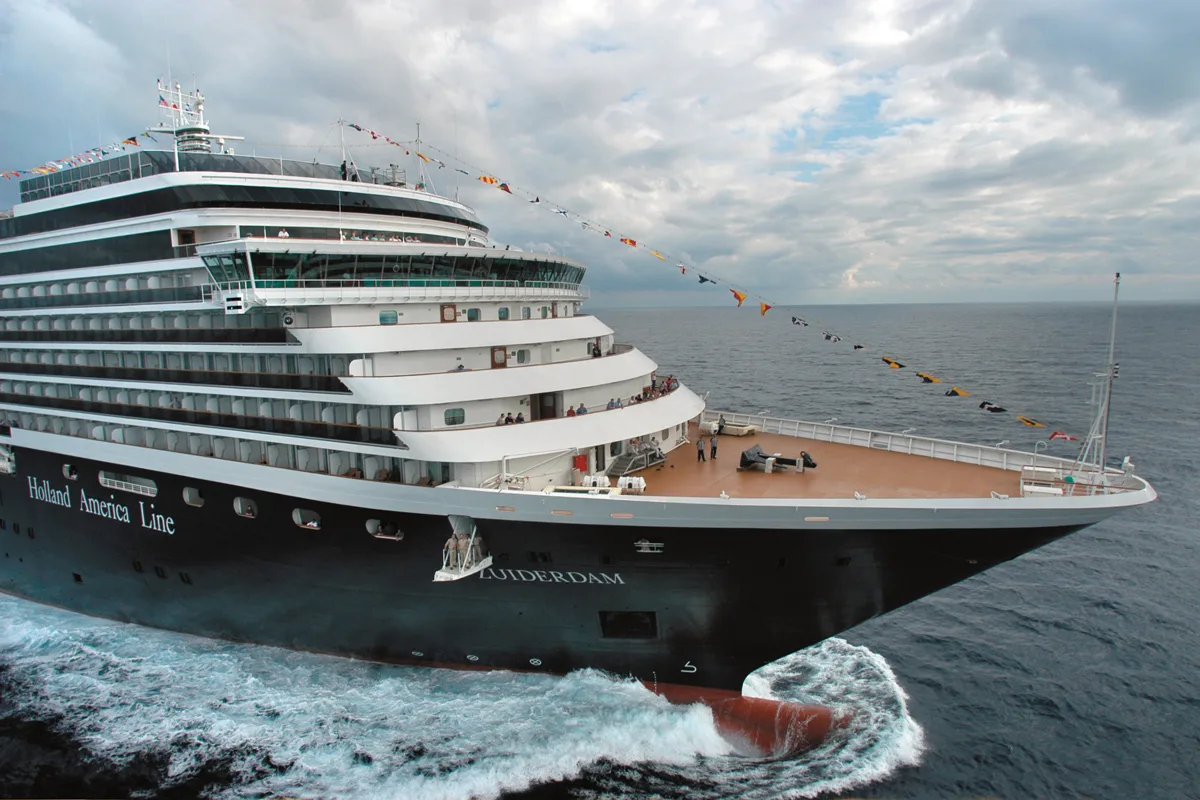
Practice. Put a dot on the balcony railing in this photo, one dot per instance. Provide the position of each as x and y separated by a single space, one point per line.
301 291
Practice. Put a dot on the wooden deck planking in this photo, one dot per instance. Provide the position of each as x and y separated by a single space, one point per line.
841 471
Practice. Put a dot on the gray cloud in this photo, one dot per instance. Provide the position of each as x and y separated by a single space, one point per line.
1017 145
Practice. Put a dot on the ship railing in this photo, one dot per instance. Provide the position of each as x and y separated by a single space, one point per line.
1059 482
909 444
304 291
519 481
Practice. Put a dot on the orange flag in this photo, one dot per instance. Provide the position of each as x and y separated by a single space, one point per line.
741 296
629 242
488 179
765 308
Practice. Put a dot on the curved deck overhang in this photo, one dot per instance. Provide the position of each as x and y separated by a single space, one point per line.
498 442
484 384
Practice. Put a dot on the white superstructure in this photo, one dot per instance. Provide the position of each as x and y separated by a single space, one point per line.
273 313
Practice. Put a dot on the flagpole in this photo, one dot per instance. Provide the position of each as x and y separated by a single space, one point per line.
1112 347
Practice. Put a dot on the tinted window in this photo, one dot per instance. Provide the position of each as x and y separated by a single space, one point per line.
93 253
388 318
455 416
178 198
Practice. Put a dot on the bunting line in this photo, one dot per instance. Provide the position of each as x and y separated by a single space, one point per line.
89 156
704 276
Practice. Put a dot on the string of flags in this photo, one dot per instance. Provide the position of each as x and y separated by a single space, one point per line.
740 295
95 154
89 156
485 176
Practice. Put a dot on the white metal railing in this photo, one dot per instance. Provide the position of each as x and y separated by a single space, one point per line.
319 292
1056 481
962 452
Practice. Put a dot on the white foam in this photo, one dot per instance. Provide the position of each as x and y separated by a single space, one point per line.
298 724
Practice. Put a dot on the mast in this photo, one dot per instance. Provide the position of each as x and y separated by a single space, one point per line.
1112 371
181 114
1097 440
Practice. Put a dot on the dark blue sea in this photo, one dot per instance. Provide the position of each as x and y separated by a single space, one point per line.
1072 672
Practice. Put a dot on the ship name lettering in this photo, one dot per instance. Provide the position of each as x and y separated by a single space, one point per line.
109 509
46 493
543 576
155 521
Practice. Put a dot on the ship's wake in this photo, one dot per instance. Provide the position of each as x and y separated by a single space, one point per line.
280 723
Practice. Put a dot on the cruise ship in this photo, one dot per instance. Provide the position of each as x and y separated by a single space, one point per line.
294 404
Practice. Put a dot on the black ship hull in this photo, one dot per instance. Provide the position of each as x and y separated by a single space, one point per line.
710 608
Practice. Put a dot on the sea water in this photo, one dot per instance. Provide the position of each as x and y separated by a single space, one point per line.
1069 672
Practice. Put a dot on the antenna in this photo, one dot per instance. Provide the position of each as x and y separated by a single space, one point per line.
181 114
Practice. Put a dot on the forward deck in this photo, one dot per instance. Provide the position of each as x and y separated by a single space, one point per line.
842 470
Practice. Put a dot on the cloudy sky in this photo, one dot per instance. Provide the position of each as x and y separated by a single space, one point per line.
894 150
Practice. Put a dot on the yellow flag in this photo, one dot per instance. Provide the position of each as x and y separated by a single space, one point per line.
657 255
741 296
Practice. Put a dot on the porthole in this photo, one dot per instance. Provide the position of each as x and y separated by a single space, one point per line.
384 529
418 654
472 658
245 507
70 473
192 496
537 662
306 518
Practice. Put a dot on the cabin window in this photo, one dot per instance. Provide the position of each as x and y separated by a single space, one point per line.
545 312
502 313
388 318
628 624
192 496
614 449
384 529
525 312
135 484
522 356
305 518
666 435
70 473
473 315
245 507
455 416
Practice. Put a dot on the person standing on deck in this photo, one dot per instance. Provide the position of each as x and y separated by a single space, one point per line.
700 449
713 454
